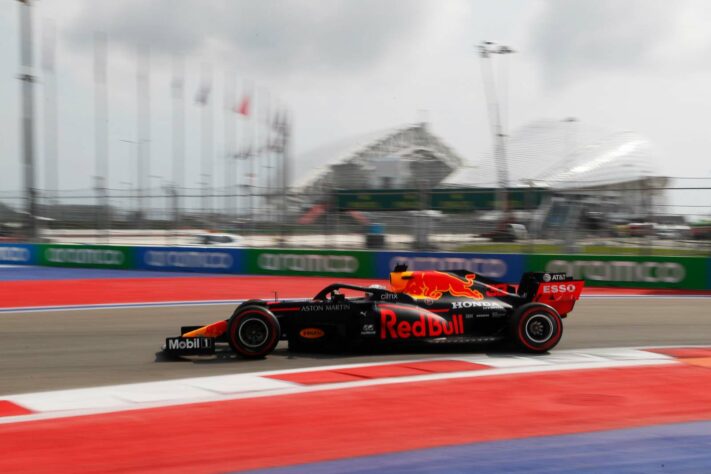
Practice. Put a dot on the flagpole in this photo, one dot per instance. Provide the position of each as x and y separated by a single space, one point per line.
285 127
178 139
206 132
268 158
143 122
243 151
229 123
239 200
239 204
251 158
50 116
237 158
101 138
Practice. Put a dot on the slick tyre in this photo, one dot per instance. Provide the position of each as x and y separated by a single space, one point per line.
251 303
253 331
536 327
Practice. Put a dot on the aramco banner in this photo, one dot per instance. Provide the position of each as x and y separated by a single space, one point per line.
18 254
85 256
357 264
627 271
190 259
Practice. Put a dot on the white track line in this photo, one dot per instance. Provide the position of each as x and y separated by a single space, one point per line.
83 401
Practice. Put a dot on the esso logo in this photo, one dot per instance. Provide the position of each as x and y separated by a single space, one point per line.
562 288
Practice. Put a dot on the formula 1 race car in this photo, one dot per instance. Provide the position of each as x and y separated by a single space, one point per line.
434 306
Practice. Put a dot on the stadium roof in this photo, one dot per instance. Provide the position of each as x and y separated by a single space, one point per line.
362 150
564 155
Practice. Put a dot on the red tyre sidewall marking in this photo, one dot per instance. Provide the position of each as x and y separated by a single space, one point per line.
552 341
263 317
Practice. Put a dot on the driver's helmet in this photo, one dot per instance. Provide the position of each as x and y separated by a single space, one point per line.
399 278
337 296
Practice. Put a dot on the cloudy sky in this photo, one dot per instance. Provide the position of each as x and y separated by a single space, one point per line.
347 67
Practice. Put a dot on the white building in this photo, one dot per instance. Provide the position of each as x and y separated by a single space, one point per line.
569 157
408 157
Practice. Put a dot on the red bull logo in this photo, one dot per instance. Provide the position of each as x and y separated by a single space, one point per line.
433 284
425 326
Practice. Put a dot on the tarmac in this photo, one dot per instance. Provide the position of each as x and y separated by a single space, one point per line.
62 349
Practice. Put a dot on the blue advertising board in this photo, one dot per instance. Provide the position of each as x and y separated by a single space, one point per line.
505 267
190 259
18 254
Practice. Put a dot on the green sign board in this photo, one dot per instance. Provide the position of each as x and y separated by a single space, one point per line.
462 201
374 200
85 256
626 271
310 262
446 200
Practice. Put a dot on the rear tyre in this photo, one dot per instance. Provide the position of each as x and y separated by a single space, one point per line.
253 331
536 327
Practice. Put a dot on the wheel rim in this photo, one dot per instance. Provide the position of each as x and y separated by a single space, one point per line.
540 328
253 332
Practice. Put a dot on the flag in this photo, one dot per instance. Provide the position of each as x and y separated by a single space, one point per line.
243 107
202 95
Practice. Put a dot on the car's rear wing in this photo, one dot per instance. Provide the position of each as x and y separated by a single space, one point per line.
554 289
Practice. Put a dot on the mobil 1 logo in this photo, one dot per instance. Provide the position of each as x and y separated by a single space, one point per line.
190 345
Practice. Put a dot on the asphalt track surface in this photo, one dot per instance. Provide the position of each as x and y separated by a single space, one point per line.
80 348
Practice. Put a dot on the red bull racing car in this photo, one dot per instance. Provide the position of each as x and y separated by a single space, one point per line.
434 306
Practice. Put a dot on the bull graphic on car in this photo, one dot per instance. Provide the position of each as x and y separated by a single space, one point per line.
456 306
434 284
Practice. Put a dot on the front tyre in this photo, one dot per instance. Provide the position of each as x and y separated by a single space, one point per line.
536 327
253 331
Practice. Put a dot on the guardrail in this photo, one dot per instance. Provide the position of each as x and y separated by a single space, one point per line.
690 273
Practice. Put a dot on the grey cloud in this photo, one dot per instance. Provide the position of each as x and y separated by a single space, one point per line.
269 35
576 37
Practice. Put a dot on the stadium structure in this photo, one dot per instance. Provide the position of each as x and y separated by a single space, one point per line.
581 171
587 173
405 157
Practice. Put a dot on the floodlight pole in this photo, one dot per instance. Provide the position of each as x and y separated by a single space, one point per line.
486 49
101 137
51 180
143 132
178 130
28 118
133 144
